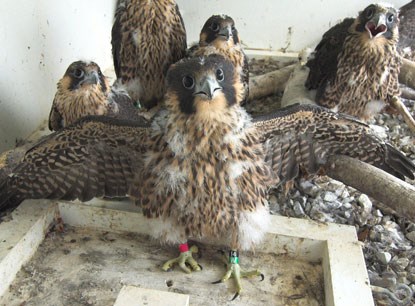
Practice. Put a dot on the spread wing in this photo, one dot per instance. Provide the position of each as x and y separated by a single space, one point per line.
96 156
299 139
323 62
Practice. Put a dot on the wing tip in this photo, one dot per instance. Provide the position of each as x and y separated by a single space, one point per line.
400 163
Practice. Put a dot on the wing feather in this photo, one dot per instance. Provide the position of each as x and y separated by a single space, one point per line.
299 139
323 64
116 36
97 156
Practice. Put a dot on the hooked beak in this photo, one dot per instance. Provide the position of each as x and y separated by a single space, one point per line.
207 87
225 32
90 78
376 26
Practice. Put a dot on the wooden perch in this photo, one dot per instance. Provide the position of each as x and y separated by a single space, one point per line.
269 83
383 187
407 73
407 93
406 115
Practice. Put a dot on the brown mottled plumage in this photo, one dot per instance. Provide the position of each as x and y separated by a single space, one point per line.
147 37
83 91
220 36
356 65
203 168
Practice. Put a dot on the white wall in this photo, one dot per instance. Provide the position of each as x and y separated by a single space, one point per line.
40 38
265 24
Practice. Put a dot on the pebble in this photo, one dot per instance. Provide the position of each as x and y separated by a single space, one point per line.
411 236
347 205
380 131
378 213
400 264
365 202
384 257
329 196
298 209
411 275
309 188
384 281
334 204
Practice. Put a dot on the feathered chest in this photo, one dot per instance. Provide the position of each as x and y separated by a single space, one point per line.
207 164
79 103
370 65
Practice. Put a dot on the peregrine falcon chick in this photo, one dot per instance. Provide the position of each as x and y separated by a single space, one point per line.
83 91
356 65
147 37
220 36
203 168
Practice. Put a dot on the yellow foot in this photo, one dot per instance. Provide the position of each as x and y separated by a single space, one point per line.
234 270
183 259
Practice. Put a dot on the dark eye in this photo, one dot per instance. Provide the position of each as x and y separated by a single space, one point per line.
391 18
219 75
188 82
214 26
78 73
369 13
233 28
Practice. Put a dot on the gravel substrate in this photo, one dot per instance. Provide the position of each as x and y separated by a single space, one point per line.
388 241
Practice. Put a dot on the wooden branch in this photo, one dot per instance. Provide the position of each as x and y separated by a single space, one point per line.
407 73
407 93
406 115
269 83
383 187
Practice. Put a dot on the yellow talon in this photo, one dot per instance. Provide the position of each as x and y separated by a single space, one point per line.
182 259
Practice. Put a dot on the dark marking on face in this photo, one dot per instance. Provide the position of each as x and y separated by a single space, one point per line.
79 71
369 16
220 25
182 77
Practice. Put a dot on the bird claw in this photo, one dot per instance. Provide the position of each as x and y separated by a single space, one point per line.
235 296
235 272
184 260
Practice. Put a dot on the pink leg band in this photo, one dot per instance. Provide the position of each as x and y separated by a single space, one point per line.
183 248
